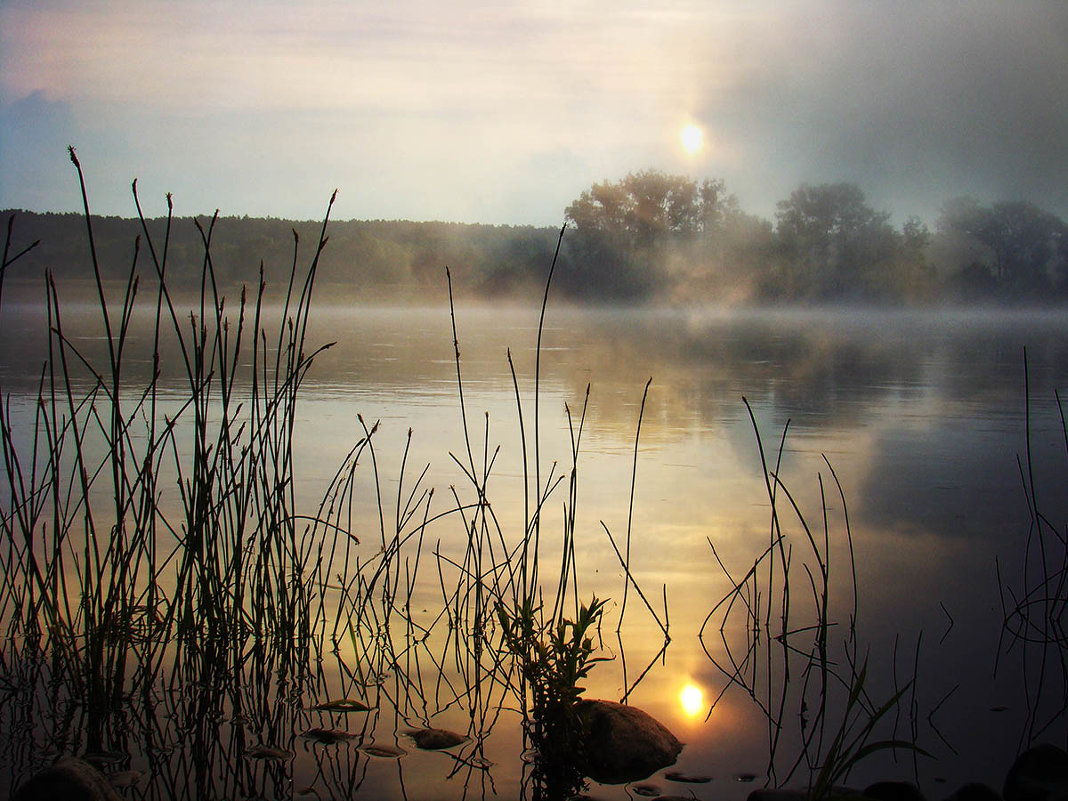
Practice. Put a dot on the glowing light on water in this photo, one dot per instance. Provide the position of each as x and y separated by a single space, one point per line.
692 700
692 138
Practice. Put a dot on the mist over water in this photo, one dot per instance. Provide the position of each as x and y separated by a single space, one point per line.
820 434
920 414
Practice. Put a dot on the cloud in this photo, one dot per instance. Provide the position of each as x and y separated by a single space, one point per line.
34 171
915 102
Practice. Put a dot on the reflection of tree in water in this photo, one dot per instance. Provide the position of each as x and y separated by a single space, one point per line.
818 368
800 365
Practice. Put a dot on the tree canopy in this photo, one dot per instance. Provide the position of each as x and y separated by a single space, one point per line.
1012 248
627 234
832 242
649 204
669 236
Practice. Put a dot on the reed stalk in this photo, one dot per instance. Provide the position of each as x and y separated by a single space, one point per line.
152 542
812 692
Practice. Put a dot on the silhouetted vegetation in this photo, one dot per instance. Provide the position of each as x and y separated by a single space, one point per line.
1009 250
168 600
649 237
164 593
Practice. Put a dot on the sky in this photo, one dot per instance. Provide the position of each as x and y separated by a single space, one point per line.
505 111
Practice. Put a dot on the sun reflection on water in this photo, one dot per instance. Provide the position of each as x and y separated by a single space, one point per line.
692 700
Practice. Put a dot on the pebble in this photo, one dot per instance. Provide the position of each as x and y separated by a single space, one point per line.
435 739
687 778
384 751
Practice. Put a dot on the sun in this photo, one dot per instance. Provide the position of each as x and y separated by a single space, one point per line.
692 138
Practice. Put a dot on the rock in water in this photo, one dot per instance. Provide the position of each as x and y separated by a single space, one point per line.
1038 774
435 739
342 705
268 753
687 778
646 790
384 751
622 743
70 779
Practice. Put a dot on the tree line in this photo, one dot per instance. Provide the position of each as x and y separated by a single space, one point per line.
657 235
364 260
649 237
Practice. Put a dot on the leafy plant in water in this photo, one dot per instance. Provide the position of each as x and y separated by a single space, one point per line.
554 657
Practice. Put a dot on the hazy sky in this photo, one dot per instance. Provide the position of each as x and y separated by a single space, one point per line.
504 111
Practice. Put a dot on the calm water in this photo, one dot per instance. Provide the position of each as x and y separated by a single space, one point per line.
921 415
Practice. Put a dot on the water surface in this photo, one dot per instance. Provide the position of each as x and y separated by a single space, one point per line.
920 416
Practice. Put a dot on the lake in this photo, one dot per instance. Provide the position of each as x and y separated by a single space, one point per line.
906 429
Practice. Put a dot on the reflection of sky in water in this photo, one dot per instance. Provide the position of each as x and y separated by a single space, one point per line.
921 416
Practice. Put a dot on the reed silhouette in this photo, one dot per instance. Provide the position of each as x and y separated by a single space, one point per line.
168 601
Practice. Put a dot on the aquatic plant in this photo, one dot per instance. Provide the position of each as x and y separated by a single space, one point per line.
554 658
852 741
151 536
163 592
812 692
1035 604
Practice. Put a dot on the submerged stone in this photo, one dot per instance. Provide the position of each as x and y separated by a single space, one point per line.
1038 774
623 743
70 779
687 778
435 739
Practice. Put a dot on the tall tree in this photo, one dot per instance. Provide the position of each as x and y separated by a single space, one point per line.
1020 249
626 233
832 242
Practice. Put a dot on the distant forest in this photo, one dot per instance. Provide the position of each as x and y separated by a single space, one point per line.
649 237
